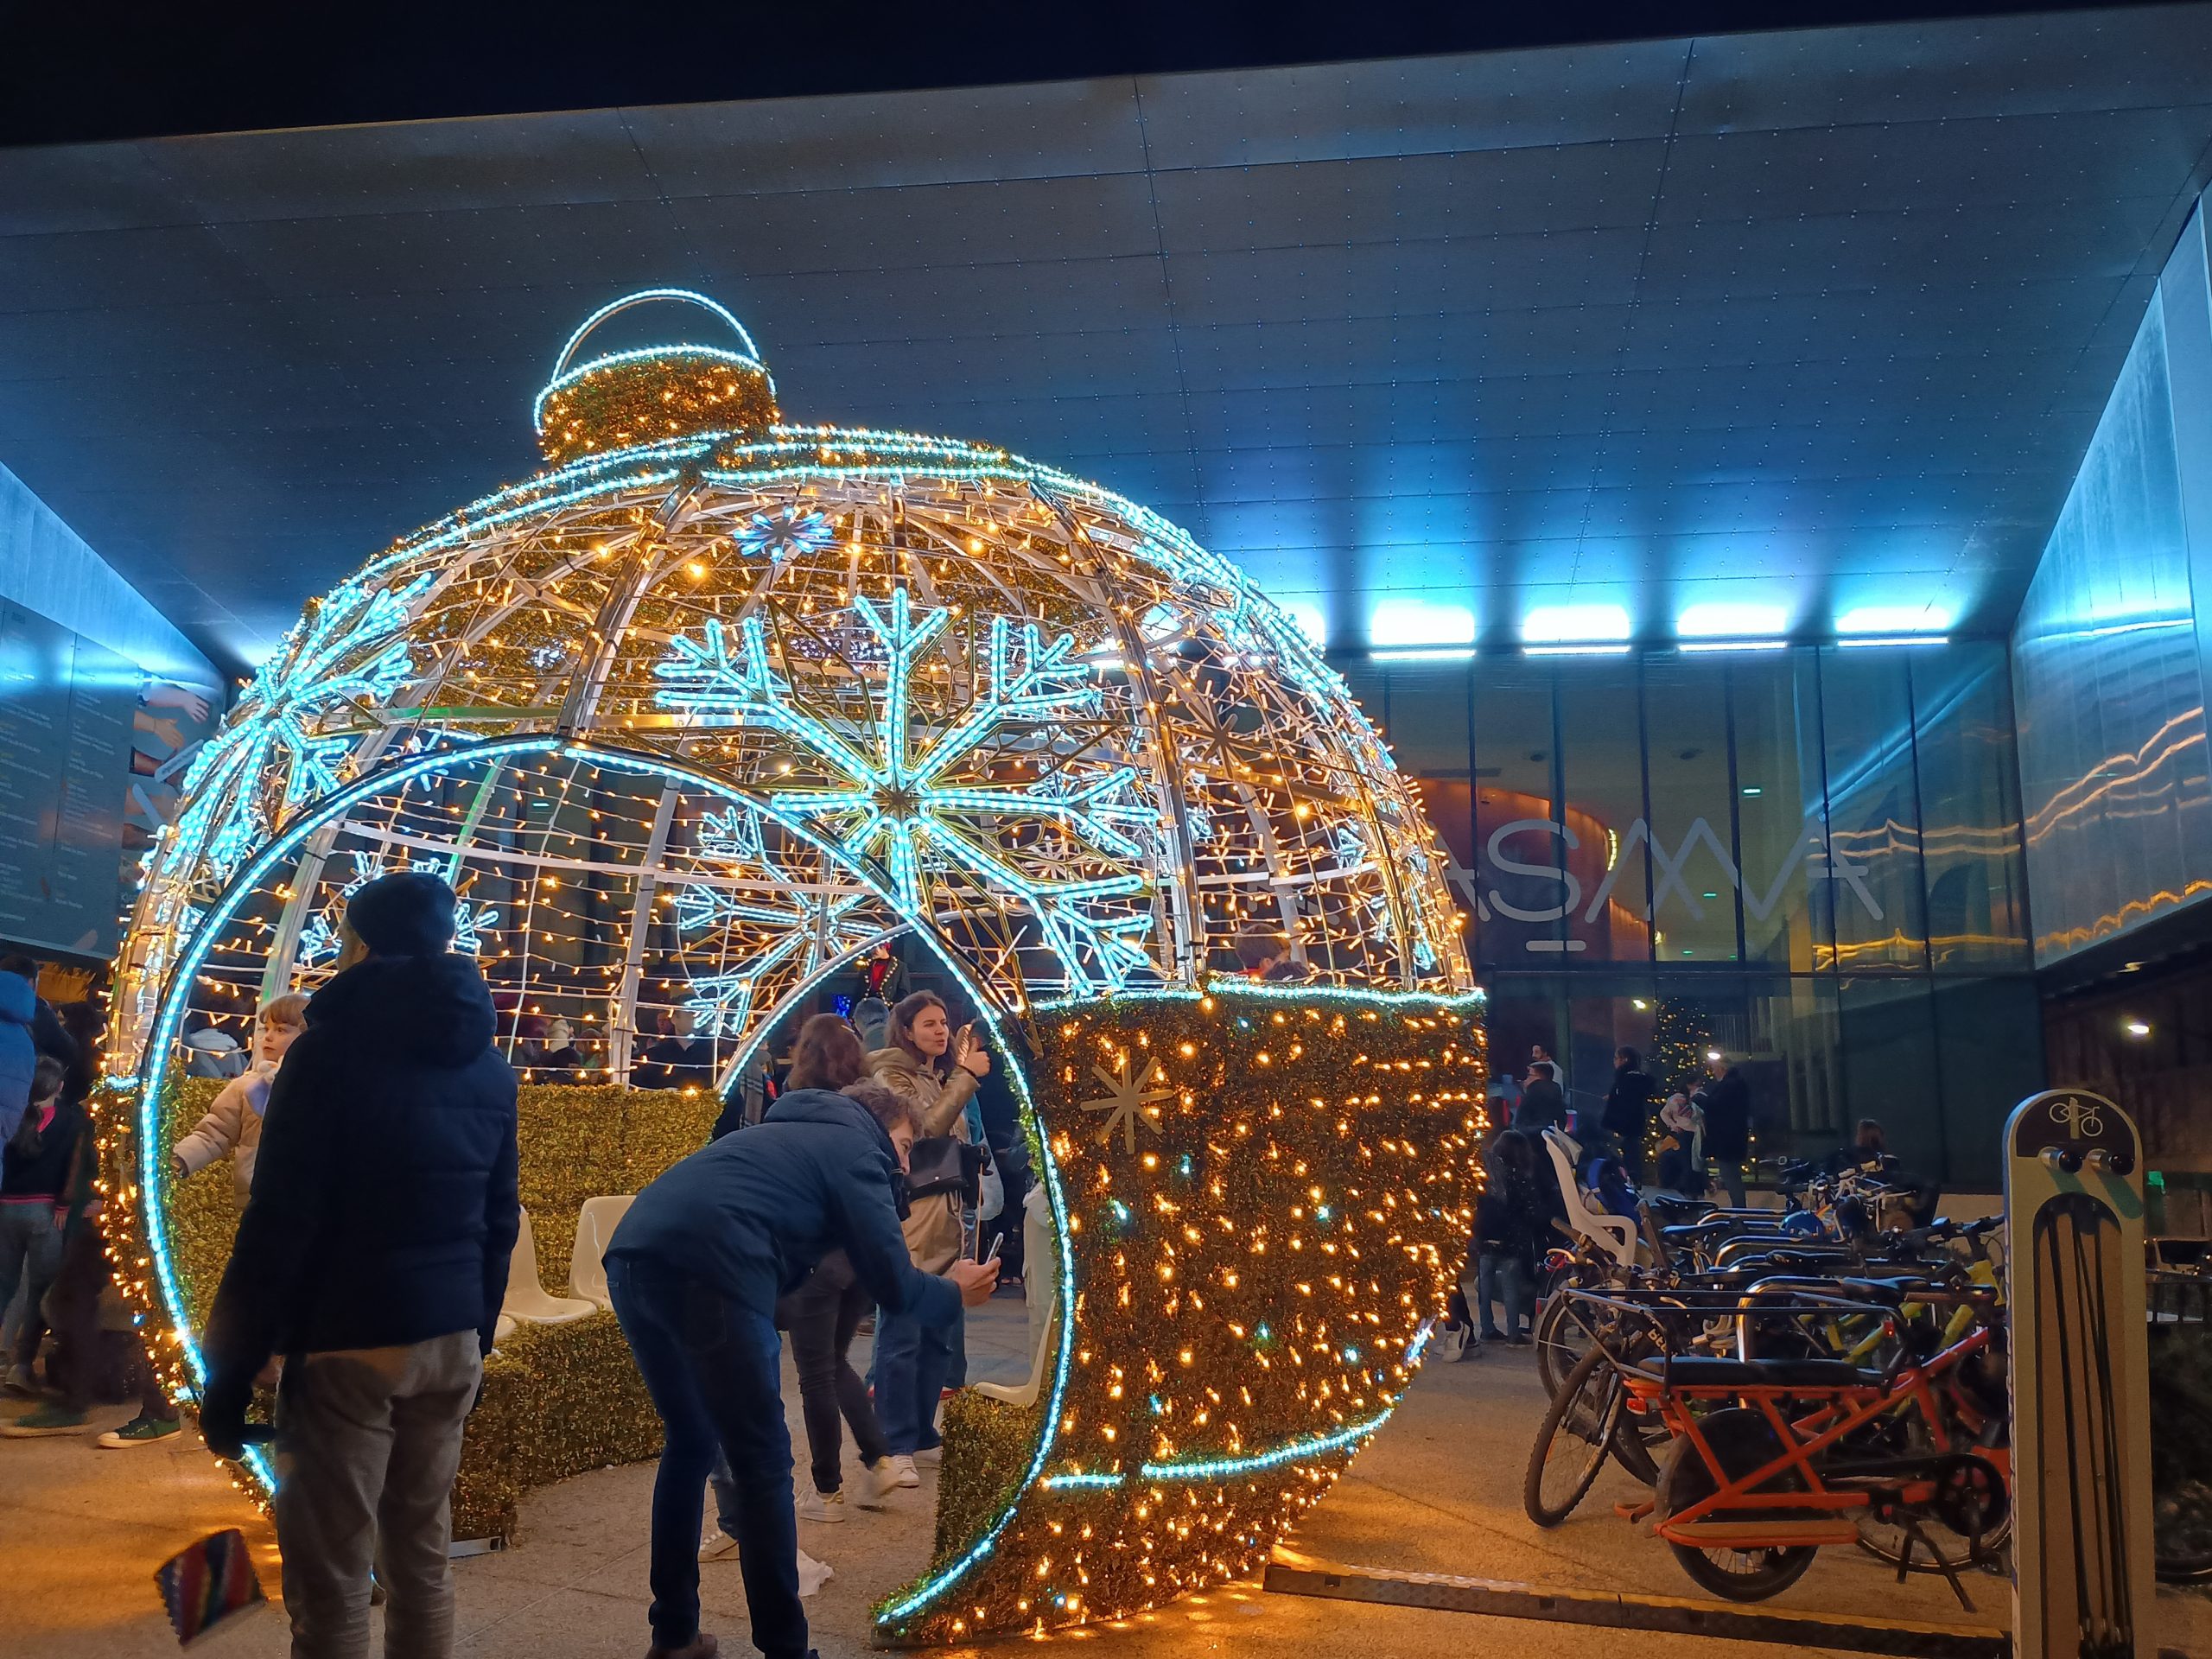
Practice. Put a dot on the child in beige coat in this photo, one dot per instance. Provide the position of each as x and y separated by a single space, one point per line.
232 1125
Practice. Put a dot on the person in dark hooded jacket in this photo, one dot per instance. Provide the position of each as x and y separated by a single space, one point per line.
695 1271
372 1255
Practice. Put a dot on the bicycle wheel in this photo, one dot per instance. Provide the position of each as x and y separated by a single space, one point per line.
1635 1439
1741 1440
1560 1343
1571 1440
2181 1527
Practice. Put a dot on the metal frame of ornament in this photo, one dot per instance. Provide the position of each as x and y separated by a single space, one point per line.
143 1091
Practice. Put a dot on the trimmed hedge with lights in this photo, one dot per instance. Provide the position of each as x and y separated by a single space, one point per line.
558 1400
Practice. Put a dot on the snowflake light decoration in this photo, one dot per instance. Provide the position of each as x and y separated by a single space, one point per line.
785 532
909 789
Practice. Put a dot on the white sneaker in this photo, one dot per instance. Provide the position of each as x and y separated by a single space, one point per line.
902 1471
929 1456
715 1545
828 1507
877 1482
20 1380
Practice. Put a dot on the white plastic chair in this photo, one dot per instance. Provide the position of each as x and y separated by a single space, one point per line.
526 1299
1615 1235
1039 1270
1025 1393
595 1224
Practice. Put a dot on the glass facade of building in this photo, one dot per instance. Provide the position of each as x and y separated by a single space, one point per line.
2110 650
1809 858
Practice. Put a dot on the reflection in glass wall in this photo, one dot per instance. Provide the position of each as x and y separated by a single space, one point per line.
1969 809
2105 666
1874 894
1527 875
1691 813
1781 829
1686 852
1601 765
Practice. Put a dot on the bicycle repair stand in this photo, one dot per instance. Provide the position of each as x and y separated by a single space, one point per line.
2082 1571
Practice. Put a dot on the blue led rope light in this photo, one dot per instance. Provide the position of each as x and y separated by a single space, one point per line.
1289 1451
640 298
1215 1469
464 528
1457 1001
176 1002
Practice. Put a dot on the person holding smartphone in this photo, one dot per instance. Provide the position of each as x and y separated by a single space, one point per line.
937 1069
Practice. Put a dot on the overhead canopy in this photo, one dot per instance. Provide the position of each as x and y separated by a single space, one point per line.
1818 321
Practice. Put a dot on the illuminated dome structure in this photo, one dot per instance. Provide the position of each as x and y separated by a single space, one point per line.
697 716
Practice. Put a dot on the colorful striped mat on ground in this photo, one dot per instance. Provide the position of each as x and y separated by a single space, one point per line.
209 1583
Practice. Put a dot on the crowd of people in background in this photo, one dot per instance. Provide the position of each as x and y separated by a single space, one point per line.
65 1337
1695 1142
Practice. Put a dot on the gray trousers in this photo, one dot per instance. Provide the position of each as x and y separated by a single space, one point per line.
367 1442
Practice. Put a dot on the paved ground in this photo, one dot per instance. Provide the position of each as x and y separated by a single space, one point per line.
81 1531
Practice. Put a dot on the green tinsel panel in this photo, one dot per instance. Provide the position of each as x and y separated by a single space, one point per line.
486 1490
987 1445
203 1213
558 1400
588 1141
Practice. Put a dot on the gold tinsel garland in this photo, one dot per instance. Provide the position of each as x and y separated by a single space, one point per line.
558 1400
1268 1192
618 402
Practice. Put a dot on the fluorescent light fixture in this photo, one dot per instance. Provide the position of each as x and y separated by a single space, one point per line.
1309 620
1733 645
1898 639
1731 619
2137 1029
1424 654
1403 623
1577 651
1893 620
1574 624
1753 789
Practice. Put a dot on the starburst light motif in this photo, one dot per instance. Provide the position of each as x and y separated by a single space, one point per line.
1129 1102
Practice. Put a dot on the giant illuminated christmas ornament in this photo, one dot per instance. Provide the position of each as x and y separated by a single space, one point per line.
702 713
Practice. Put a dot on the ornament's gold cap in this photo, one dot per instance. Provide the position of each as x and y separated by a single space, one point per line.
654 393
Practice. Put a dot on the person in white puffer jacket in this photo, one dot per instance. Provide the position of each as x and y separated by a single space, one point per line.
232 1125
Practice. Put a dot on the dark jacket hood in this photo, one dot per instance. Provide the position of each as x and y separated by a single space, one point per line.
826 1106
19 1005
433 1010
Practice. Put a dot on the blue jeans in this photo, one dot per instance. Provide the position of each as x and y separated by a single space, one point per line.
912 1362
713 1367
30 1254
1501 1275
